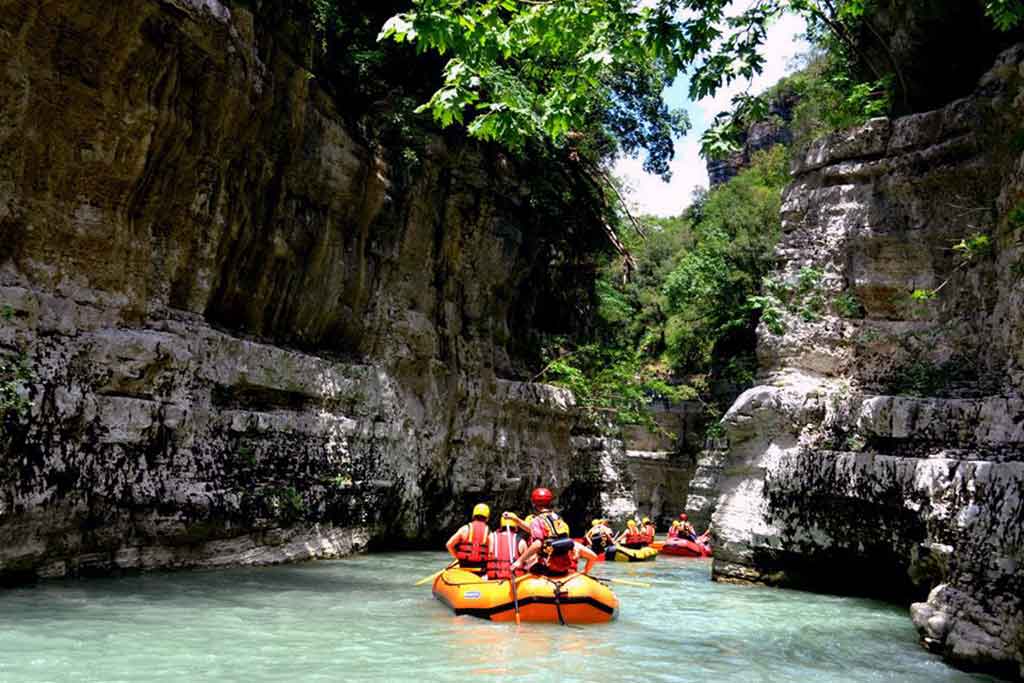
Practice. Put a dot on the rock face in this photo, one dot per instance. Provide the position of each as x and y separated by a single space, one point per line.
760 135
251 337
918 34
883 453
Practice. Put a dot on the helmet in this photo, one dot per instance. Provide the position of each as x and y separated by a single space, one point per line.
675 522
682 516
631 524
541 497
646 520
481 510
508 521
596 522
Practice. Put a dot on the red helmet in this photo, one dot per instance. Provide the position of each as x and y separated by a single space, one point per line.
541 497
682 516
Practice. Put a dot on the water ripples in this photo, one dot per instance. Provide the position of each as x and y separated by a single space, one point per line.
362 620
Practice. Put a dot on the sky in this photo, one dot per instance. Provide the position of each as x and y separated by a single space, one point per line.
648 193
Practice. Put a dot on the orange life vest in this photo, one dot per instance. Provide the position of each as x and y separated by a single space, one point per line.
649 533
503 551
634 535
673 532
473 548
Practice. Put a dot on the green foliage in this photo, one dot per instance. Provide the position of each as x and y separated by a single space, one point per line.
1015 217
685 319
849 306
1006 14
585 74
711 293
973 247
616 381
830 97
287 503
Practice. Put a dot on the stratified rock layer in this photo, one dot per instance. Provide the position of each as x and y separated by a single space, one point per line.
884 452
249 341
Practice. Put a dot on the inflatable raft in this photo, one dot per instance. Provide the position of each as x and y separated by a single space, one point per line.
618 553
686 548
574 599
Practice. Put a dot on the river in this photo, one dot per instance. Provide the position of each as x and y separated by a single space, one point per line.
361 619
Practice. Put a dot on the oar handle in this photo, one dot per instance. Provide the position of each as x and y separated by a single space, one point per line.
436 574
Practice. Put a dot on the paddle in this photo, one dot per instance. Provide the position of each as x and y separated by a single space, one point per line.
512 578
638 584
435 574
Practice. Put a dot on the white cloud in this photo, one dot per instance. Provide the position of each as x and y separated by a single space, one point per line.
648 193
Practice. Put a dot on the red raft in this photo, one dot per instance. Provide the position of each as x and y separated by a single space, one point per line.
685 548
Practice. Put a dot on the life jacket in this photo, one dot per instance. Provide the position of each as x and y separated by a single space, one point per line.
649 533
557 548
499 559
473 549
634 535
673 532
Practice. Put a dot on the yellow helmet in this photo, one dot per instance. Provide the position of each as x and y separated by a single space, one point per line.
508 521
596 522
630 524
646 520
481 510
675 522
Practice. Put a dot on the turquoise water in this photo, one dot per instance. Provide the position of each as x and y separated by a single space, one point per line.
362 620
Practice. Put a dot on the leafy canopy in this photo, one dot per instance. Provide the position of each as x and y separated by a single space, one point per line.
585 72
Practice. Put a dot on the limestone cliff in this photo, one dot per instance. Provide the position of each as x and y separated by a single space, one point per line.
253 336
883 453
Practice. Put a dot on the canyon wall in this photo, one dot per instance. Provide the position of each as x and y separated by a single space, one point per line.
883 452
251 334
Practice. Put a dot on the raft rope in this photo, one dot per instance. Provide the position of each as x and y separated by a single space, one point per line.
558 603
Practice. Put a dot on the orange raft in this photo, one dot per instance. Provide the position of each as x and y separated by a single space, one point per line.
574 599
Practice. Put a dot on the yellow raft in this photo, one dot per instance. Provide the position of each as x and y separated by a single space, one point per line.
574 599
618 553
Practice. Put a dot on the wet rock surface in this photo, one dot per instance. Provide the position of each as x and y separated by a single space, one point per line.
252 338
884 452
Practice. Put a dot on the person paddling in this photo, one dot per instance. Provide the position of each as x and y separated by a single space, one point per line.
686 529
632 537
556 553
599 536
648 530
469 545
504 547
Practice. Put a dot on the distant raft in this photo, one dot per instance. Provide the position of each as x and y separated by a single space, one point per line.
618 553
574 599
681 547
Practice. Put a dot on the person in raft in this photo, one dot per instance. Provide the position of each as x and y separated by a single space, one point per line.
469 545
686 530
556 552
648 530
599 536
673 531
632 537
505 546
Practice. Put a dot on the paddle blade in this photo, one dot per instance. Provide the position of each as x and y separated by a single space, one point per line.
425 579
